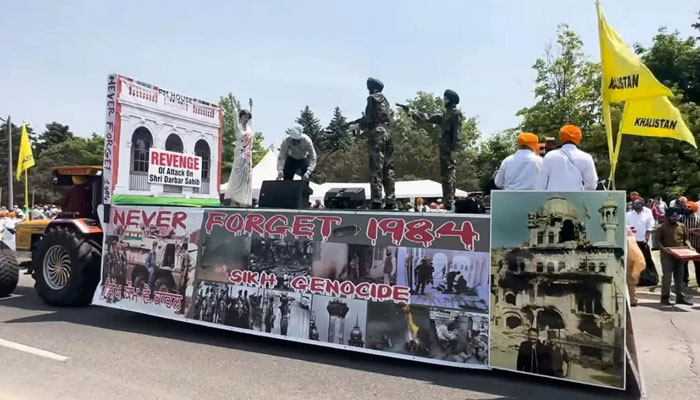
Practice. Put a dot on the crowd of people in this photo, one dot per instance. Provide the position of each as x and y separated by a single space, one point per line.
10 218
657 225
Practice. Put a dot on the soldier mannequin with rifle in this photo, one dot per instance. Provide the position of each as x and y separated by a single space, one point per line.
375 124
450 122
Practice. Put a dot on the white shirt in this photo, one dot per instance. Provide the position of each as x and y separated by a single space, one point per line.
519 171
568 170
8 237
640 223
302 151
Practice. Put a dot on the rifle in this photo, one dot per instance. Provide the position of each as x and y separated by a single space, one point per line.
403 108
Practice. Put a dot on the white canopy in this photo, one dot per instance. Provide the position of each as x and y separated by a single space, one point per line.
266 170
404 189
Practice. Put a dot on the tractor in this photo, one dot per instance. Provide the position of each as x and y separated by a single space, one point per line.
63 255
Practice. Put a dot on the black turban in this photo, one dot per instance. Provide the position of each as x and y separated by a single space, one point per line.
673 210
452 97
374 85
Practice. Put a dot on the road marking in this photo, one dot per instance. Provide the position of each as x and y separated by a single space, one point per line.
12 296
32 350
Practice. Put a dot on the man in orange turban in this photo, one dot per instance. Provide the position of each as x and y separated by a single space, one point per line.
520 171
568 169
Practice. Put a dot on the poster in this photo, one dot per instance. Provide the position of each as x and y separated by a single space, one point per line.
149 260
411 286
558 285
171 168
161 147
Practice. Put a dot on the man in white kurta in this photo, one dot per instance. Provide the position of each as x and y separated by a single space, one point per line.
521 171
568 169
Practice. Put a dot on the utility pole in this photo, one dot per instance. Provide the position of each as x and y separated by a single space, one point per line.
10 193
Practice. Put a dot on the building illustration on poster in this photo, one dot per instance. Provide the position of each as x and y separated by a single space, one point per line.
558 285
162 147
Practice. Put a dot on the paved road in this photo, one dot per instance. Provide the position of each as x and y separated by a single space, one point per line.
119 355
668 344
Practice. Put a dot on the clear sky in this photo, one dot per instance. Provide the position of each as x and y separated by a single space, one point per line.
287 54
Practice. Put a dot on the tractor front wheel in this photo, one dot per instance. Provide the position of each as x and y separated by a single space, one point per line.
66 267
9 272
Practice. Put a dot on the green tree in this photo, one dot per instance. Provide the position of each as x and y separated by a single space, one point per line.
674 62
73 151
337 136
54 134
228 105
259 149
16 134
311 126
489 154
567 89
417 144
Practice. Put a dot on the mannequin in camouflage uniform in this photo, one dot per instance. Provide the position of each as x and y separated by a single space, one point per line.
375 124
450 121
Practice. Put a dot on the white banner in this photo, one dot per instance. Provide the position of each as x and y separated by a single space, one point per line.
170 168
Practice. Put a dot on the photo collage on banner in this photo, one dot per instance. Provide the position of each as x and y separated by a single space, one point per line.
558 289
351 280
150 255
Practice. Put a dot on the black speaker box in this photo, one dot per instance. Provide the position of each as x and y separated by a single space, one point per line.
469 206
292 195
345 198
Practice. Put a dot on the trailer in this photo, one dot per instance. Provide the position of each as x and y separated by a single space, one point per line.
537 287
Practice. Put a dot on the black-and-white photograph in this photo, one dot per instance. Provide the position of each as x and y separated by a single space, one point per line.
286 313
228 304
459 336
222 253
445 278
356 263
559 281
421 331
339 320
286 258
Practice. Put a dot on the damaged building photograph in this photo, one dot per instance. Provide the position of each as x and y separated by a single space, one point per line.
557 285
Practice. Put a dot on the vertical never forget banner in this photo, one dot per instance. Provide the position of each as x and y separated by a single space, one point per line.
408 285
558 289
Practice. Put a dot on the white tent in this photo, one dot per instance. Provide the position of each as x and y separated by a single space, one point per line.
404 189
265 170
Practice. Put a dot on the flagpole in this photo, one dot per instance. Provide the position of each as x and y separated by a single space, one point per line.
10 192
26 192
611 148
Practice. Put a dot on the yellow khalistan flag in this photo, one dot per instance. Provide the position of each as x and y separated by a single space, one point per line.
624 75
655 117
25 158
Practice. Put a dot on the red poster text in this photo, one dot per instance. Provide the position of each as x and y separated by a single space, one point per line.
174 160
276 225
364 290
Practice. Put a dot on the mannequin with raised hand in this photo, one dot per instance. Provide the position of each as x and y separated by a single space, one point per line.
240 191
